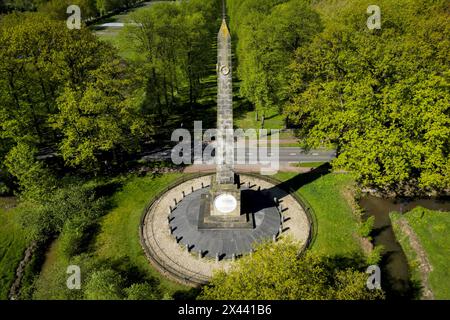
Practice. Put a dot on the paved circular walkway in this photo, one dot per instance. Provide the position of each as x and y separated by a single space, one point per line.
173 260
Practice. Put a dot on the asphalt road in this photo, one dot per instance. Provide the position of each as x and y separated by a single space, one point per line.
285 155
294 154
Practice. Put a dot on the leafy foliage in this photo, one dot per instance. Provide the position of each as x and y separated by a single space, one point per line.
381 96
275 271
366 227
176 40
105 285
35 180
268 34
66 88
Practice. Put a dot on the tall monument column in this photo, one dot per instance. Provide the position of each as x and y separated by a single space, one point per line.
225 141
221 207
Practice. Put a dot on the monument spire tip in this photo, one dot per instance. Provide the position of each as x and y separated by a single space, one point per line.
224 28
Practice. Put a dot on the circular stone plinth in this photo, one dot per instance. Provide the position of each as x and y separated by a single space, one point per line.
225 243
173 260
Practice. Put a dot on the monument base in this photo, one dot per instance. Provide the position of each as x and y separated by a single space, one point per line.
229 191
207 221
211 217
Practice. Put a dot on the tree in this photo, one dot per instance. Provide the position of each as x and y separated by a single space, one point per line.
105 285
268 34
141 291
27 86
277 272
72 208
35 180
176 40
104 116
65 88
381 97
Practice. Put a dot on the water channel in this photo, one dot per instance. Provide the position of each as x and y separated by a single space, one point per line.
394 264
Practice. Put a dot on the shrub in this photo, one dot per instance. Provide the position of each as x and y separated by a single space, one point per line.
374 257
275 271
366 227
105 285
141 291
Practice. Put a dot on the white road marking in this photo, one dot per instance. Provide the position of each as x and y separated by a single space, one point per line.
112 24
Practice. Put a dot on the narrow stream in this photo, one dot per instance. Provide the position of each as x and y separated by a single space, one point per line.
394 264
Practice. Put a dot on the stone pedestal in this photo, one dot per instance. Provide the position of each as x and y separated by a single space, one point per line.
225 199
220 208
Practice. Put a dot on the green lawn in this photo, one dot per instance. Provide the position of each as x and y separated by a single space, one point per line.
309 164
246 120
13 243
114 36
431 227
336 223
116 241
119 233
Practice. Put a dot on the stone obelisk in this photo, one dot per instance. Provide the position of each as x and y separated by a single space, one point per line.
224 191
225 142
221 207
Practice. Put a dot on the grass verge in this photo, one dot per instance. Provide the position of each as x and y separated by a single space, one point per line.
336 223
13 242
115 243
309 164
431 228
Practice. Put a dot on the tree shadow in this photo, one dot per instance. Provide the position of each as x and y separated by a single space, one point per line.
241 107
377 231
187 295
271 116
87 241
354 260
108 189
293 184
132 272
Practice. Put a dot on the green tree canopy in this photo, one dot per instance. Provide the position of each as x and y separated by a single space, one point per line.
381 97
268 33
66 88
105 285
176 42
275 271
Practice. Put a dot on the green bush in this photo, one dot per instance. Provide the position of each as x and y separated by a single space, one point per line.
141 291
74 204
374 257
276 272
366 227
109 284
105 285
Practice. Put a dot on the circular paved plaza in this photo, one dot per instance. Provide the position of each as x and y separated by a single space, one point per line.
174 244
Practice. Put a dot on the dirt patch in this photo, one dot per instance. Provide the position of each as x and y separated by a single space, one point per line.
349 195
364 243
